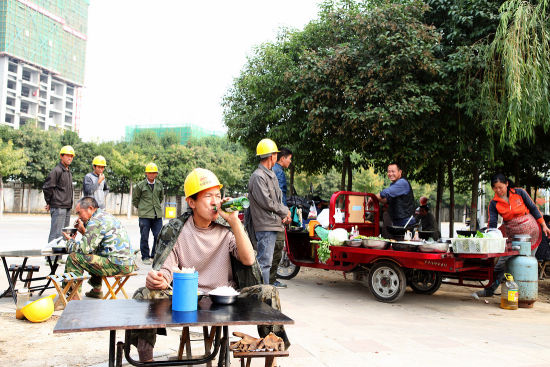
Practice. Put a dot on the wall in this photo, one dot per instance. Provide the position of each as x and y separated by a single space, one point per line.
16 200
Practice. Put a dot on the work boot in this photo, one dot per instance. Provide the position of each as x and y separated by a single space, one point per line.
94 293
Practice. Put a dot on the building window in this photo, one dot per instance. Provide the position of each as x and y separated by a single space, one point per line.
27 75
10 101
9 119
12 67
11 85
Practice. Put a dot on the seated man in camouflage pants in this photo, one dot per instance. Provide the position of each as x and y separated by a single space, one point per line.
104 248
202 240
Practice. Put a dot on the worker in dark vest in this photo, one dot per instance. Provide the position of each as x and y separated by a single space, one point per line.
399 196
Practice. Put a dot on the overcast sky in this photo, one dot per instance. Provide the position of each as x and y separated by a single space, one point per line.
172 61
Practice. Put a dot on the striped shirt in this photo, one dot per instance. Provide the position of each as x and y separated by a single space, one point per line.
205 249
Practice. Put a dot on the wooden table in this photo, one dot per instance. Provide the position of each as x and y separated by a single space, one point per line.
93 315
25 254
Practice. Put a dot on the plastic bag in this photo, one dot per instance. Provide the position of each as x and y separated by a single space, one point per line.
338 217
312 211
323 218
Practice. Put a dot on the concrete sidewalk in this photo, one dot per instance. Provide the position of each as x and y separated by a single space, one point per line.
338 323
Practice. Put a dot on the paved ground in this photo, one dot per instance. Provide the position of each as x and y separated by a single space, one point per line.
338 323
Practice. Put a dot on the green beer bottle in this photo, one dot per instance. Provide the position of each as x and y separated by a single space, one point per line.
236 205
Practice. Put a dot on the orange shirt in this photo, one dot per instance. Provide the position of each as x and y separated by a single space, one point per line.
519 203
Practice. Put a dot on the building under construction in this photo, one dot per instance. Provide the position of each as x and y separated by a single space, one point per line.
184 132
42 54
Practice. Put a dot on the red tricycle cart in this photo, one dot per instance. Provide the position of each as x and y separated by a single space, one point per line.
387 272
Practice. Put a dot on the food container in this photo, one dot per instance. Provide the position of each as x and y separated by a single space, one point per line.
353 243
69 230
375 244
440 247
223 300
405 246
475 245
59 249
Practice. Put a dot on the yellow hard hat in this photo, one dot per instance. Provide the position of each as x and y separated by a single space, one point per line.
200 179
99 161
266 147
67 149
151 167
39 310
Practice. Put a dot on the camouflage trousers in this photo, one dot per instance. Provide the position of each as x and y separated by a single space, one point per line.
265 293
96 266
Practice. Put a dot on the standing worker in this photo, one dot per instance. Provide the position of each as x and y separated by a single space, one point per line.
399 196
284 158
147 198
520 215
95 184
58 193
266 206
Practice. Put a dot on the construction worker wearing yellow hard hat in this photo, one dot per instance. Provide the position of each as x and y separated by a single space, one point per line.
58 193
95 184
267 210
198 241
148 198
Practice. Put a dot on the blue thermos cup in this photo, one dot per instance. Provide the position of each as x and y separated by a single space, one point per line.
184 293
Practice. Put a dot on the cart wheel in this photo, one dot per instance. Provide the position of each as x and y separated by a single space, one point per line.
387 281
286 269
425 281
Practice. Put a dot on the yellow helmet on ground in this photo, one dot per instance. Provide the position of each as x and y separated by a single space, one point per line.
151 167
67 149
200 179
99 161
39 310
266 147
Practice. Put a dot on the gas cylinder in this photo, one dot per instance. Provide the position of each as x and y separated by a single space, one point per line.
509 293
524 269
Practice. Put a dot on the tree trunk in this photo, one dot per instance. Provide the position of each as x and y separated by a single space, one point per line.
292 171
350 174
343 180
475 196
440 178
129 214
516 171
121 201
178 205
451 198
1 197
28 199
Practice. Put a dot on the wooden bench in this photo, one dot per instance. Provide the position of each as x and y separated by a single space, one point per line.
269 357
68 291
543 271
117 285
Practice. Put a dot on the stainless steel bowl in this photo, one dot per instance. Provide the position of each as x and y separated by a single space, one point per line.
223 300
355 243
69 230
375 244
434 247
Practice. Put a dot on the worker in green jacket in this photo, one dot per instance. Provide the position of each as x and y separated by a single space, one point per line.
147 197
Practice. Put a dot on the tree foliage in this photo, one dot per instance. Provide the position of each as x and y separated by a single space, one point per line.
517 81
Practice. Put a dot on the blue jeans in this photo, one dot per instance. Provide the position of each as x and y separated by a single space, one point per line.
60 218
265 245
146 225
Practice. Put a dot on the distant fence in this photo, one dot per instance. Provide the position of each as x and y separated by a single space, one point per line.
19 199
